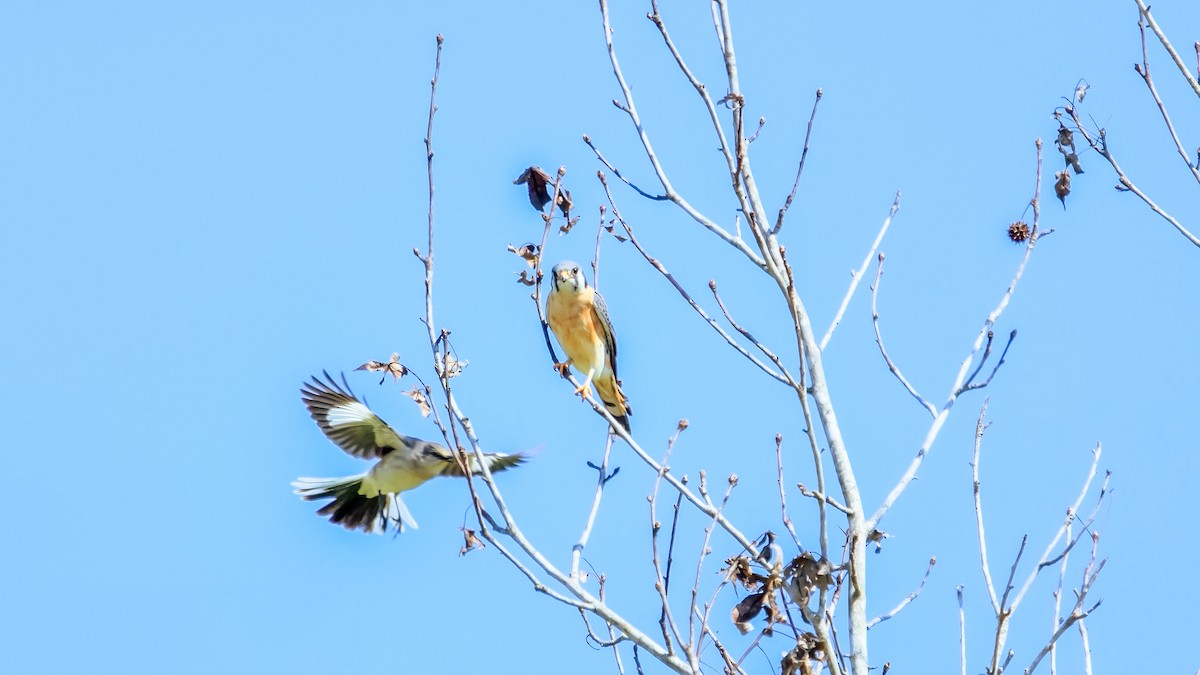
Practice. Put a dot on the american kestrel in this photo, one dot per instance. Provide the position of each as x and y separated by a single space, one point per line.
371 500
579 318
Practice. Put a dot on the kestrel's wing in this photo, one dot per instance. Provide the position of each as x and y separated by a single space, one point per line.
610 337
349 423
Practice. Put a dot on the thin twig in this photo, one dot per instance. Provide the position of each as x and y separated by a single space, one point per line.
705 550
1057 607
662 582
1076 615
1162 37
857 275
970 385
617 172
907 599
631 109
1100 145
787 520
601 478
962 632
883 350
590 602
712 285
656 264
1086 646
596 258
980 427
787 204
1070 517
957 387
1144 71
824 499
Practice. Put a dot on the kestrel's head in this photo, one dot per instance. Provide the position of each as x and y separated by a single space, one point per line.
568 276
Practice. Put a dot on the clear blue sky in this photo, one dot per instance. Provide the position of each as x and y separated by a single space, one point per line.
203 204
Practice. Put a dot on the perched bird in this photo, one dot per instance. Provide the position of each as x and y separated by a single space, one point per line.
579 318
371 500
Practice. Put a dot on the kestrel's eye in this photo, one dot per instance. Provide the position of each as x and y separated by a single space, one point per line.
575 270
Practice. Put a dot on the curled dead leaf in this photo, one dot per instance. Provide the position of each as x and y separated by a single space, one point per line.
393 367
450 365
570 224
564 204
470 541
1062 186
804 574
526 279
612 231
799 661
537 182
747 610
528 252
418 397
1066 138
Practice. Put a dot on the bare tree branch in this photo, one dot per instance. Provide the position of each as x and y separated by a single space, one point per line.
602 477
712 285
1100 145
883 350
656 264
857 275
631 109
1162 37
957 387
783 510
907 599
1144 71
962 632
980 427
787 204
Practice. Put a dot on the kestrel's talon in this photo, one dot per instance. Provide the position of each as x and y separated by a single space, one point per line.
584 391
564 369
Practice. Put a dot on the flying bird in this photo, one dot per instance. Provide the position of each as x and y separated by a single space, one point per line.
370 501
579 318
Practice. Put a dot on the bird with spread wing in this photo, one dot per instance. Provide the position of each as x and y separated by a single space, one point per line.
371 501
579 318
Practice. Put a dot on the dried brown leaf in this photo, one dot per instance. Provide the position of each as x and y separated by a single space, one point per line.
747 610
804 574
538 182
613 232
450 365
1066 138
570 224
526 279
470 542
564 203
1062 186
528 252
393 367
418 397
798 661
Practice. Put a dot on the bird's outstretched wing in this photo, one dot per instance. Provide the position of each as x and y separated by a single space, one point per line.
348 422
496 461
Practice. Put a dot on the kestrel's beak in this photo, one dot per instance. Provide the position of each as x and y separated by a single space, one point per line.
564 275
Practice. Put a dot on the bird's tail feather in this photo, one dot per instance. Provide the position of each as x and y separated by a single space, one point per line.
614 400
352 509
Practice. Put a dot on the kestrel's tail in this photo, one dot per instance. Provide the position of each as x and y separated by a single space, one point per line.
614 399
353 510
